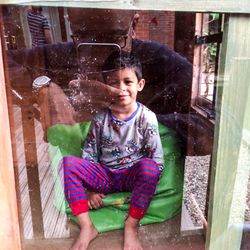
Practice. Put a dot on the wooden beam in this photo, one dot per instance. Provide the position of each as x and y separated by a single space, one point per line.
231 158
9 227
197 59
241 6
230 6
30 150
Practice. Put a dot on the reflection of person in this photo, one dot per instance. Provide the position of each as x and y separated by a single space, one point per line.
168 75
122 152
38 26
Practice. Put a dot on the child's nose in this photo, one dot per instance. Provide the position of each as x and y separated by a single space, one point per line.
122 86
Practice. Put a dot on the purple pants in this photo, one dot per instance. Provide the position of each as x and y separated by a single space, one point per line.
141 179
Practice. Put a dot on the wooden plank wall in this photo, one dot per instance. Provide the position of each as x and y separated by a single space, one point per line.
9 226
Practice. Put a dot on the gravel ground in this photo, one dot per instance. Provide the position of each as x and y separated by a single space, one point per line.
247 213
195 188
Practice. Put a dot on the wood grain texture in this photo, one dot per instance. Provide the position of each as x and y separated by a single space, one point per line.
231 6
9 226
231 161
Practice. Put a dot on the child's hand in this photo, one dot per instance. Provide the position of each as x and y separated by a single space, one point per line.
94 92
95 200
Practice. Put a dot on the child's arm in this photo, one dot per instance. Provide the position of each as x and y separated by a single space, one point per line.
91 146
153 141
91 153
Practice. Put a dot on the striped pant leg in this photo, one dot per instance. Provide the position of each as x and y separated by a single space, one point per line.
80 174
141 179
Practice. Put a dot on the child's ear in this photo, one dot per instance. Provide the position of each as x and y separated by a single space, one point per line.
141 85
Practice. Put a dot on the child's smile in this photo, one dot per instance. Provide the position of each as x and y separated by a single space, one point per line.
125 80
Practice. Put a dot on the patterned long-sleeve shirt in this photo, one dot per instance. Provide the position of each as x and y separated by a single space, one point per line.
118 144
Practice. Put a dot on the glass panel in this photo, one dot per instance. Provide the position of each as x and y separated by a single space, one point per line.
56 77
60 76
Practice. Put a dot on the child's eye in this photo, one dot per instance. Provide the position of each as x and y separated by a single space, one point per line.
128 82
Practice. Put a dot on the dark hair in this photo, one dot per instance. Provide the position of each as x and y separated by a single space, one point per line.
37 9
120 60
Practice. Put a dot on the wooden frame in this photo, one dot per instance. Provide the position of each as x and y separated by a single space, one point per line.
231 150
9 226
230 6
198 101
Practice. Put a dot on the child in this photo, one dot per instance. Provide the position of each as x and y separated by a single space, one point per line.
122 152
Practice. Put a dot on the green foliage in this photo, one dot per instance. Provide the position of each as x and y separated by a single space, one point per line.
214 16
212 49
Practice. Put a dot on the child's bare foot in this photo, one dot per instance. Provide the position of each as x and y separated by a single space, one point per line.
131 239
87 234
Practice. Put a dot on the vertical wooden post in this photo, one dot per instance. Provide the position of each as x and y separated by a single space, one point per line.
195 83
231 160
9 227
30 148
197 58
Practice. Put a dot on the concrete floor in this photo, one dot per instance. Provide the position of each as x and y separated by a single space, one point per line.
157 236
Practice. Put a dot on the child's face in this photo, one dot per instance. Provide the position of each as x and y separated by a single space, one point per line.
125 80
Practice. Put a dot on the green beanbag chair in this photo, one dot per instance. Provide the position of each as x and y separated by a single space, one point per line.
68 140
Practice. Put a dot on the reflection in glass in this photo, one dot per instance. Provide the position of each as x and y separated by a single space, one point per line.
53 121
206 87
